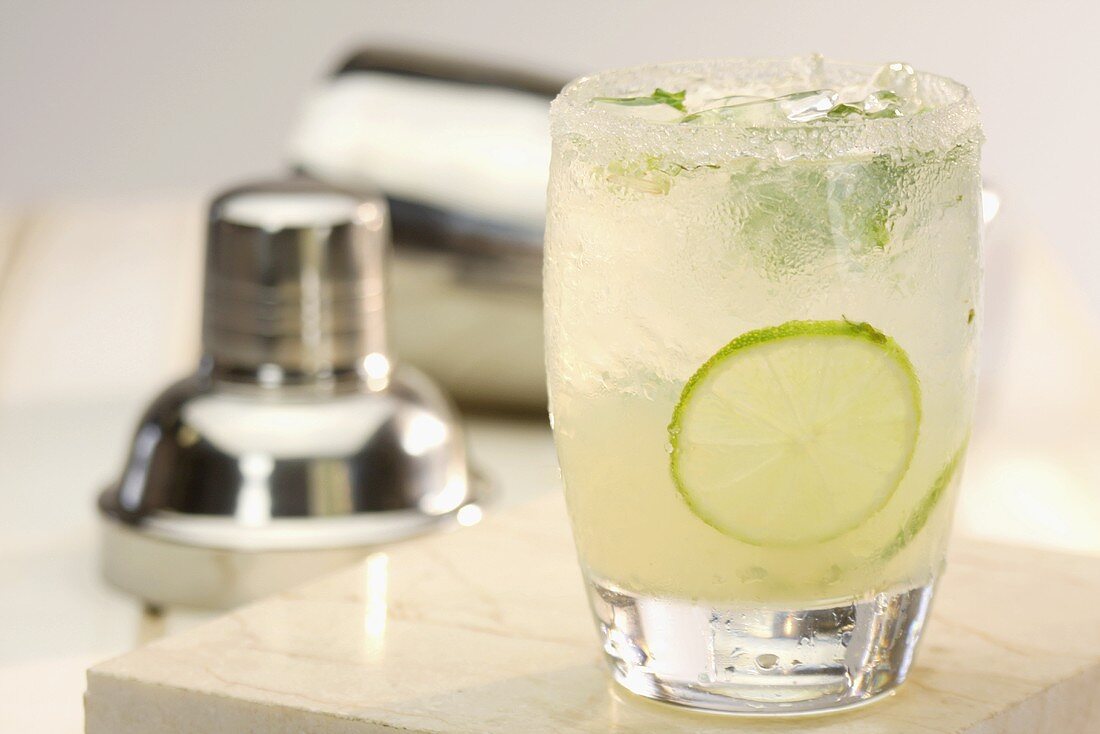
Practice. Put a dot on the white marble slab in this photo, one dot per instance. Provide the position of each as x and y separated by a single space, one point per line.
486 630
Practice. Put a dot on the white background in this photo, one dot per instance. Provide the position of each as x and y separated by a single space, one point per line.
131 95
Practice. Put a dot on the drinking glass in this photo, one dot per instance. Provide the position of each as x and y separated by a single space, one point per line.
762 301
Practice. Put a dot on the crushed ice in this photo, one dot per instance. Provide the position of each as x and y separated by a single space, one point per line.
893 91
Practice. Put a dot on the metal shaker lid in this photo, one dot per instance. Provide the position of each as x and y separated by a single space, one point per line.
295 284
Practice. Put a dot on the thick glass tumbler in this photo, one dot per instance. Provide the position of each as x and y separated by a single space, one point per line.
763 297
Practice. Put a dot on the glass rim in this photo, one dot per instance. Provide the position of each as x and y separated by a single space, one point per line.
952 119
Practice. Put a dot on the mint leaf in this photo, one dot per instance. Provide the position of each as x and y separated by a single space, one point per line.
844 109
674 100
652 175
877 105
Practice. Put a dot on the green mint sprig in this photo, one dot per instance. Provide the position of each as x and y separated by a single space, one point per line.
675 100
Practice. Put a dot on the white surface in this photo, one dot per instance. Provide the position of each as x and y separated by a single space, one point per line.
56 616
487 631
98 302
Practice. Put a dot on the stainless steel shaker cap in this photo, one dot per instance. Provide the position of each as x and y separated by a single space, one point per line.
295 281
298 444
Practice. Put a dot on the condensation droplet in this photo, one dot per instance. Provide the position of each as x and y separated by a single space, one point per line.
767 661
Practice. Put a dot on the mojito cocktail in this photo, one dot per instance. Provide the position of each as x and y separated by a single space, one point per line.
763 297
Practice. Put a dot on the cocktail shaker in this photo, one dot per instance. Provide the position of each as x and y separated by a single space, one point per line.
299 443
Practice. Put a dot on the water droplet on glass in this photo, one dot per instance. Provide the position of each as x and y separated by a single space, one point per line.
767 661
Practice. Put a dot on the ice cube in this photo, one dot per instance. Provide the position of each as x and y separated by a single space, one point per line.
882 104
756 112
797 107
730 100
896 77
899 78
808 106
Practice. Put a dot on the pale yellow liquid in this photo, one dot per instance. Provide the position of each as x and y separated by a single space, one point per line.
648 275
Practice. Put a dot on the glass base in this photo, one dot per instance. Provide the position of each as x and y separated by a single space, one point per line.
758 660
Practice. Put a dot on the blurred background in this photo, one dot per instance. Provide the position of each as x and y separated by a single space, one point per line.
121 118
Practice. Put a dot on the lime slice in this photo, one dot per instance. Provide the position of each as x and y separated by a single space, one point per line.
919 517
797 433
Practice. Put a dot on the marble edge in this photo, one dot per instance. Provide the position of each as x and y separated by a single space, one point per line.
961 551
501 522
119 678
1067 706
124 704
